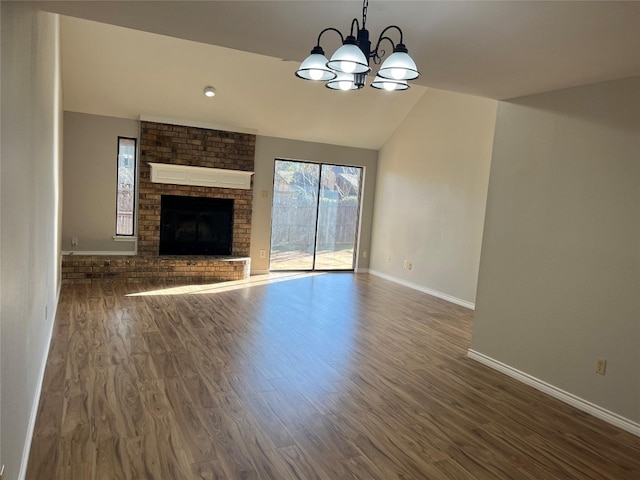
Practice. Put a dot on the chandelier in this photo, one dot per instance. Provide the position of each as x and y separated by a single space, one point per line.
349 65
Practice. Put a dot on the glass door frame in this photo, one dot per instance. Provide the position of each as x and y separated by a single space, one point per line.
318 199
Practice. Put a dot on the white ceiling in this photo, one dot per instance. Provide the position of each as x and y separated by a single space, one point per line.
126 73
494 49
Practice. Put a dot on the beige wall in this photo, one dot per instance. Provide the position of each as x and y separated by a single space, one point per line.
90 150
29 218
431 194
90 169
560 272
270 148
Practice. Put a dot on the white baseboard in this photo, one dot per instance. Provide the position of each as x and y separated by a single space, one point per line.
566 397
361 270
428 291
26 450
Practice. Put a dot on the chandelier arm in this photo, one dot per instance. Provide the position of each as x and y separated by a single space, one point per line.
378 53
355 20
328 29
383 37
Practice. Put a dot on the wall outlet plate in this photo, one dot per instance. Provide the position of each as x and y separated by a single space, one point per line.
601 366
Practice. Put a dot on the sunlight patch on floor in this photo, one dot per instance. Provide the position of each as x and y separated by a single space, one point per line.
253 281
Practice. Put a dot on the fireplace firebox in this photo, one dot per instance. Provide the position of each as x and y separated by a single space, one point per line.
195 225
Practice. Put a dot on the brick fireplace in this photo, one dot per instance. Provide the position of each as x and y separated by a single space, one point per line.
178 145
196 147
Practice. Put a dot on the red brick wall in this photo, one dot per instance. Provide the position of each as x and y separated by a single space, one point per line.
139 269
197 147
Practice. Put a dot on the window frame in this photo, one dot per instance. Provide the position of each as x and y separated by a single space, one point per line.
132 235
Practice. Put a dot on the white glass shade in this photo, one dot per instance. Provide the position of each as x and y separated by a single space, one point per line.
314 67
349 59
389 85
399 66
343 81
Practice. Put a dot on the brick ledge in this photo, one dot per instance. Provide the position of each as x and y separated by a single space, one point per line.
89 269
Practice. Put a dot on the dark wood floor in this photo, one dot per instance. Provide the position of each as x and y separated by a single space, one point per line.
334 376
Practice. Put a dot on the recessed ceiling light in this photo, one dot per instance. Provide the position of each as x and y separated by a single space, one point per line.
209 91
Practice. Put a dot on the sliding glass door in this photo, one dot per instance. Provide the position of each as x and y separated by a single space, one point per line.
338 214
294 215
316 208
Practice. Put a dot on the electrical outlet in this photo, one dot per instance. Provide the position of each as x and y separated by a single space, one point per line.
263 253
74 241
405 264
364 254
389 259
601 366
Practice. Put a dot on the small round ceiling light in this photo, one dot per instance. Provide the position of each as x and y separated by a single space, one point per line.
209 92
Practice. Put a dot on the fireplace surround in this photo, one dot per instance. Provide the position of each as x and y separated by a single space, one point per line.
196 147
162 143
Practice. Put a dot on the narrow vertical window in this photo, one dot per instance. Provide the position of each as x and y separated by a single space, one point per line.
126 187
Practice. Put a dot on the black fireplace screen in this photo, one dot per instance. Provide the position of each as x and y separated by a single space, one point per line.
195 225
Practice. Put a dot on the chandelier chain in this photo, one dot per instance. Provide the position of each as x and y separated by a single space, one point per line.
365 5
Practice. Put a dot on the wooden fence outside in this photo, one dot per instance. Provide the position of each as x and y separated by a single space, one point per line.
294 225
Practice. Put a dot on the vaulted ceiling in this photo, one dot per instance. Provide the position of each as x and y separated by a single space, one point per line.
249 50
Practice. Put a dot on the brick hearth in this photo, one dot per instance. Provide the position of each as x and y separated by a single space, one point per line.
141 269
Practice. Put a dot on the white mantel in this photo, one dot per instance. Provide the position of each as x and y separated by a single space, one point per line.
200 176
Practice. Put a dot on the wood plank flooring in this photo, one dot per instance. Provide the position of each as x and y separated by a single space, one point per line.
330 376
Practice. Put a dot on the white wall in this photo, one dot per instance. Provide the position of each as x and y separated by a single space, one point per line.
270 148
560 272
90 173
431 194
29 218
